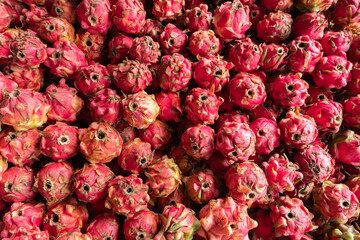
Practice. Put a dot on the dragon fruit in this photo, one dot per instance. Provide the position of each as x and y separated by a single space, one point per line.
54 181
5 19
305 53
104 226
32 113
144 224
14 9
185 162
95 15
247 90
145 50
127 195
317 94
346 12
204 43
92 44
54 29
16 184
223 218
152 28
354 53
345 147
129 16
351 112
311 24
24 77
198 18
158 134
105 106
19 147
268 28
178 196
266 110
65 59
173 40
333 43
327 115
4 49
290 217
193 3
265 229
135 156
33 16
314 6
75 235
3 167
353 184
126 132
340 231
231 20
273 57
354 84
202 186
267 135
100 143
277 5
90 182
163 177
170 106
64 9
65 105
335 202
233 116
332 72
119 48
257 13
167 9
245 55
140 109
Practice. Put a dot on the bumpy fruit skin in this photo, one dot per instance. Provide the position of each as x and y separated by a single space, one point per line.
289 91
104 226
223 219
198 18
32 113
178 196
145 224
100 143
346 12
129 16
105 106
354 53
231 20
127 195
126 132
6 85
24 77
65 59
75 235
28 51
4 49
333 72
170 106
140 109
353 85
5 19
345 147
336 202
33 16
54 29
167 9
95 15
353 184
202 186
163 177
92 78
267 135
233 116
185 162
90 182
119 48
273 57
327 115
158 134
290 217
257 12
317 94
351 112
152 28
264 230
333 43
268 28
311 24
19 147
204 43
266 110
245 55
276 5
64 9
145 50
314 6
92 44
16 184
64 103
173 40
3 167
247 90
54 181
174 72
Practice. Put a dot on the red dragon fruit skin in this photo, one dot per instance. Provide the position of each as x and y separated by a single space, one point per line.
119 47
64 9
145 224
345 147
353 184
231 20
204 43
273 57
3 165
354 53
245 55
168 9
33 16
173 40
105 106
264 230
25 77
311 24
90 182
16 184
54 29
5 19
198 18
314 6
127 195
336 202
266 110
276 5
223 219
351 112
317 94
75 235
170 106
178 196
290 217
158 134
145 50
95 15
92 44
126 132
129 16
233 116
104 226
346 12
153 28
184 161
267 135
334 43
268 28
4 50
354 85
257 13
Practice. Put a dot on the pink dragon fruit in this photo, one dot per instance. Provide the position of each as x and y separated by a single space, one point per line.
32 113
335 202
268 28
333 43
105 106
193 3
185 162
135 156
305 53
257 13
100 143
65 105
178 196
245 55
127 195
353 184
174 72
202 186
267 135
33 16
25 77
126 132
345 147
198 18
14 9
64 9
140 109
158 134
337 231
273 57
346 12
54 181
317 94
5 18
65 59
131 76
4 49
247 90
152 28
104 226
327 115
145 50
54 29
354 84
332 72
315 163
168 9
204 43
265 229
92 44
3 168
223 219
314 6
289 91
231 20
354 53
75 235
277 5
218 164
119 48
129 16
90 182
311 24
19 147
16 184
163 177
145 224
173 40
233 116
170 106
351 112
266 110
290 217
95 16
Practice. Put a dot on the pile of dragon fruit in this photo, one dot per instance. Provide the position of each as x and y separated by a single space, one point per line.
179 119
